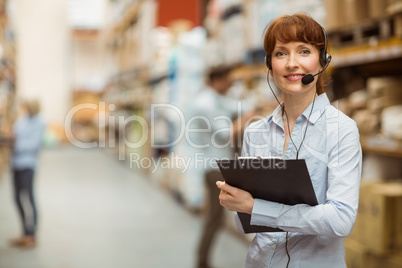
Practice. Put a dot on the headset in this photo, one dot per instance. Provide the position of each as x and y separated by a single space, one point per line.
325 59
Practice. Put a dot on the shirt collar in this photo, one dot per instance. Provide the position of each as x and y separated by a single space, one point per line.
320 104
277 114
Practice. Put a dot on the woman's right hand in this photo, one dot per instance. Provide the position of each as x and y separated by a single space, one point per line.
235 199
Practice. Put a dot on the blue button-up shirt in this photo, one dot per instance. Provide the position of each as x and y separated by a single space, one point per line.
333 156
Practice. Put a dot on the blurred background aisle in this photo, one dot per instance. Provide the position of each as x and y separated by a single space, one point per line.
95 212
116 80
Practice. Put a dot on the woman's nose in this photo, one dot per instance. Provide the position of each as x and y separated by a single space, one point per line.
292 62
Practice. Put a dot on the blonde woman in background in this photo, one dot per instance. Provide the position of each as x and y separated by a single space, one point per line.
28 132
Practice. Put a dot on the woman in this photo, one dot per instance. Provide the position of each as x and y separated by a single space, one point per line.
28 132
327 139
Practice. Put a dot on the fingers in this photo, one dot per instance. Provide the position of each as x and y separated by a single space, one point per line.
224 198
220 184
226 194
225 187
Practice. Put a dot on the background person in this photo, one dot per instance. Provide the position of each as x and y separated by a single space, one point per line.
28 132
209 106
304 126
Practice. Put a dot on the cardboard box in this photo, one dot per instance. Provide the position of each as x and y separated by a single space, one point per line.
377 8
380 229
394 6
383 201
334 19
366 121
377 167
398 25
394 262
384 86
398 224
376 105
375 261
378 224
391 123
355 11
355 254
359 229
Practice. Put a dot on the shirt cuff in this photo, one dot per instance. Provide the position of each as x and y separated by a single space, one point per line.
265 213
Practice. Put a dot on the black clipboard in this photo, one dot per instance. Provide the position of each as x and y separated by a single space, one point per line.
278 180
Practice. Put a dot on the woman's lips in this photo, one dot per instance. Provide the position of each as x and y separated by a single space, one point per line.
294 77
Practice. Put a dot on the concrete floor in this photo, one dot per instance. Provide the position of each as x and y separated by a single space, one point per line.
96 212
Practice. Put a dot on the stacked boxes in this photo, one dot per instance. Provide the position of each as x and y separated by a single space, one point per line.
366 106
394 262
377 9
334 11
398 224
357 256
384 92
376 236
354 11
392 123
315 8
130 37
345 12
341 13
382 215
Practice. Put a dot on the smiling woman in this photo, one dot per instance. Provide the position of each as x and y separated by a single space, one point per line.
295 47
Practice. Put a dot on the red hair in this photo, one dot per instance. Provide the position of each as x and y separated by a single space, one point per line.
298 27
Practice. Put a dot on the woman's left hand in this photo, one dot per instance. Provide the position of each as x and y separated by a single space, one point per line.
235 199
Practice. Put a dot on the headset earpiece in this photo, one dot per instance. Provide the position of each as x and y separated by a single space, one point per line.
268 62
325 58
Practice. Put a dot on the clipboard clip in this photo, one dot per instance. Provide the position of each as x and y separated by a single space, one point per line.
258 157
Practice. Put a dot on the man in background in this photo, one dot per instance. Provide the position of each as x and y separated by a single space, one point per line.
215 142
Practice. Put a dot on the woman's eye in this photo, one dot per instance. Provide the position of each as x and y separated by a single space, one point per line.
305 51
279 53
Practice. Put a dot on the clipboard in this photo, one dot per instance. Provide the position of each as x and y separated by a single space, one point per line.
278 180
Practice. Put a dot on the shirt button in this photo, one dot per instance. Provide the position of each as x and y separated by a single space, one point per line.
273 246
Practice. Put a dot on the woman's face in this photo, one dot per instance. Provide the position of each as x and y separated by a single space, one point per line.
290 62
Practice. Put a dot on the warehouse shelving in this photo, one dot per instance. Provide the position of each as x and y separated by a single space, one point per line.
7 84
368 48
128 88
365 54
386 147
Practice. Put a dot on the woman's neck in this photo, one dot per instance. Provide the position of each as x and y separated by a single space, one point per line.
295 105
